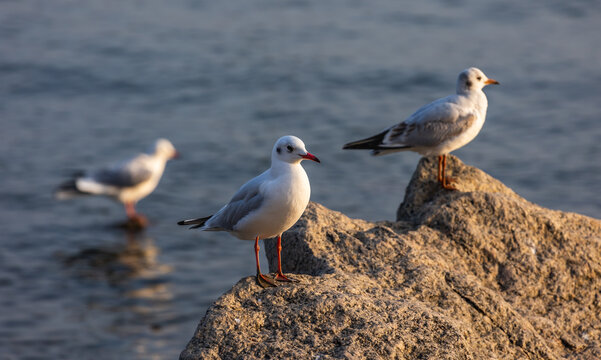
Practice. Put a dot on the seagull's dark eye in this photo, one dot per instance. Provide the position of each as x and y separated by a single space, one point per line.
289 148
479 78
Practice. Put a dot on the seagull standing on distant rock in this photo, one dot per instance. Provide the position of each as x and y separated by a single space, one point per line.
127 182
267 205
439 127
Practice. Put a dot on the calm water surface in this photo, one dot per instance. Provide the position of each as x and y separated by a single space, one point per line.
84 84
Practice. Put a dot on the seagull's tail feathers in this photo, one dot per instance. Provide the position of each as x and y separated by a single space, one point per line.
68 190
369 143
200 222
374 144
83 185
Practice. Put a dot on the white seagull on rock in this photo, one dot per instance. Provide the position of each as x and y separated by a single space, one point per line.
439 127
127 182
267 205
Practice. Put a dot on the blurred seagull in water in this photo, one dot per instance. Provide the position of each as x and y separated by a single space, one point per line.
127 182
439 127
267 205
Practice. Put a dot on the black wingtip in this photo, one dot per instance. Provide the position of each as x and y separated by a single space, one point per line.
67 190
196 222
367 143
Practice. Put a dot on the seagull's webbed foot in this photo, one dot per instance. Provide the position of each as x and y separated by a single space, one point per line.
139 220
134 223
447 183
265 281
281 277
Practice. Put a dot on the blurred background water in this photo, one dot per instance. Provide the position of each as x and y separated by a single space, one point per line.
84 84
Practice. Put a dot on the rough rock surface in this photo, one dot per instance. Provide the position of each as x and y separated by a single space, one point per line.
478 273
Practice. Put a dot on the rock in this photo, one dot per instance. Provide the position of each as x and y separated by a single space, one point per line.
478 273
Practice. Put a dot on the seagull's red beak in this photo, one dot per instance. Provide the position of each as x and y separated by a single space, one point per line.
176 155
491 81
310 156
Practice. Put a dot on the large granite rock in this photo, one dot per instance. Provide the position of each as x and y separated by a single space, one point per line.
478 273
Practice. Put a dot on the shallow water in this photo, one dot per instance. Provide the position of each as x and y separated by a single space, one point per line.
88 84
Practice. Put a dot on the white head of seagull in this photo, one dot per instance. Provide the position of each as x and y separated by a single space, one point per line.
290 149
472 79
164 149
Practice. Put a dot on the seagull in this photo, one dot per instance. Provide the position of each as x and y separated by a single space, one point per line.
126 182
268 204
439 127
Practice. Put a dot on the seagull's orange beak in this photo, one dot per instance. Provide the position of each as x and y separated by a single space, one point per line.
491 81
310 156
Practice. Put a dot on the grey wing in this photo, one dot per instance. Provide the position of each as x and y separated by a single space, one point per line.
429 126
128 174
247 199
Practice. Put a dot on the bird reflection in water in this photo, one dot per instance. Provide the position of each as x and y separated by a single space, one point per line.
137 304
130 266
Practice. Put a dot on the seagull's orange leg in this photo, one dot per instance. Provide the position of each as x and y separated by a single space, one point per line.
130 210
446 181
261 279
133 216
280 275
440 169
